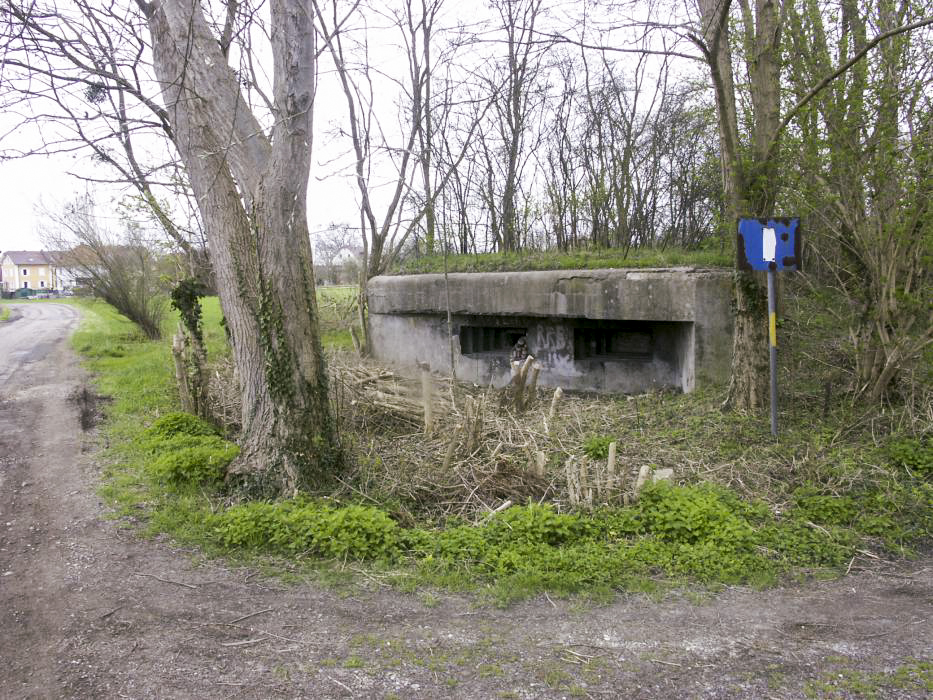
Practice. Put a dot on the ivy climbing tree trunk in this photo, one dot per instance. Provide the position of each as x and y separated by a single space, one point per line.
749 169
251 190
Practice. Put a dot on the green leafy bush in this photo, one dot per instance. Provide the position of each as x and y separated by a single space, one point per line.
198 464
826 509
688 515
296 526
913 454
179 423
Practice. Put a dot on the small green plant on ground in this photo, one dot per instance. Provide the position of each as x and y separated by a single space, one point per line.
4 313
915 676
913 454
597 446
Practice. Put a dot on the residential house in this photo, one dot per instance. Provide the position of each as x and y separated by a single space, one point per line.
33 269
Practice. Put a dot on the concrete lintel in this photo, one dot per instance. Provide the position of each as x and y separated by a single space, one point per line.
609 294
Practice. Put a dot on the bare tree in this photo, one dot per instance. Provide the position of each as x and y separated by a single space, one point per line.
751 164
251 186
522 64
329 245
868 178
122 269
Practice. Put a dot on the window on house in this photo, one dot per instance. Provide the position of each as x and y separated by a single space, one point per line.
41 283
25 285
25 270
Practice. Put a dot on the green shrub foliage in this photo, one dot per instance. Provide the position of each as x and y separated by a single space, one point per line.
703 533
293 527
597 446
197 464
179 423
913 454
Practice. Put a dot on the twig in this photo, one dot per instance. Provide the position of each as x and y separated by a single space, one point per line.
342 685
165 580
666 663
504 506
244 643
108 614
896 629
246 617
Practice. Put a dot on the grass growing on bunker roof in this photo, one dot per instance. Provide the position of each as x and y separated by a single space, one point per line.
843 488
584 259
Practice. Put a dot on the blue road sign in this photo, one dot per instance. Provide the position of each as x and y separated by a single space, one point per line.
769 244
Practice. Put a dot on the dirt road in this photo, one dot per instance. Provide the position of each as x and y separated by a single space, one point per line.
88 610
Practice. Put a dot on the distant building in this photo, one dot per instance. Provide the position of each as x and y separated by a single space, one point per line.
34 269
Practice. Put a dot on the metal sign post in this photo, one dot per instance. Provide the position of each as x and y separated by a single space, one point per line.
772 342
770 244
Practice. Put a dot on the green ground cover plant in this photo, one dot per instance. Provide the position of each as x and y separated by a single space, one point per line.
750 510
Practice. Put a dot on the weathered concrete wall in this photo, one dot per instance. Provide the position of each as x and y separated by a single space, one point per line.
667 327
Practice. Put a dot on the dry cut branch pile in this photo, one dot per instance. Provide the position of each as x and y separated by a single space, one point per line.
446 448
467 450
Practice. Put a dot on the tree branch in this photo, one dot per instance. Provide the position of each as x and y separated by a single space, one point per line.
820 86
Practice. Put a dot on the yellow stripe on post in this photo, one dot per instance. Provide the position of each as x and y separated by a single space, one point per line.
772 329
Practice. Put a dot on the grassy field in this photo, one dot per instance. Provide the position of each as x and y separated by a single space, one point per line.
338 312
843 480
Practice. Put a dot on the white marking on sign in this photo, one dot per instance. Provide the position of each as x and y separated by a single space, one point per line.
768 244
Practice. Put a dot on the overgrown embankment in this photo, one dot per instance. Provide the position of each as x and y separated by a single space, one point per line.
844 487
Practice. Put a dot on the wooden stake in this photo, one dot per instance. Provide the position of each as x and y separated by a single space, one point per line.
533 382
643 474
558 392
611 470
426 402
520 380
540 463
449 455
357 344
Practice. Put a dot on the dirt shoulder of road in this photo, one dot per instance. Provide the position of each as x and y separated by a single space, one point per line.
90 609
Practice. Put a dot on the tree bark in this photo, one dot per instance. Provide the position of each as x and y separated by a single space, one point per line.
749 189
251 191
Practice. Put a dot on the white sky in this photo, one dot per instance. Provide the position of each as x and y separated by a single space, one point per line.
23 183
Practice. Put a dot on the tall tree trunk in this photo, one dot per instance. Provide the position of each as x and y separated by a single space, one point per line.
749 189
252 195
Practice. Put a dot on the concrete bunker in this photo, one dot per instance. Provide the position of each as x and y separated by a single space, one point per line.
612 331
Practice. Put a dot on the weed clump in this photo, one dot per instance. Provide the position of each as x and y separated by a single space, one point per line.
179 423
704 533
913 454
597 446
298 526
202 463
